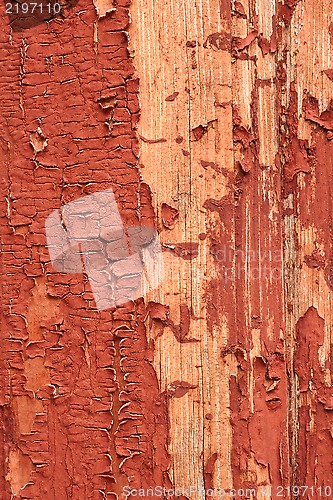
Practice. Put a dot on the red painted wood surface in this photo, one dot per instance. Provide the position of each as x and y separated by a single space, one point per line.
215 380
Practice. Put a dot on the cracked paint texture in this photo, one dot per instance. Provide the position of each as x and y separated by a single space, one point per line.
212 122
82 414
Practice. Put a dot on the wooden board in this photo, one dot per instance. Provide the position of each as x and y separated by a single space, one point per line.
213 122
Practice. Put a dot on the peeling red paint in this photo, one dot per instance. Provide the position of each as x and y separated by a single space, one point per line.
239 8
152 141
242 43
209 472
214 166
81 411
178 389
161 313
329 73
169 215
315 444
199 131
311 110
172 97
298 155
218 41
187 250
191 43
315 261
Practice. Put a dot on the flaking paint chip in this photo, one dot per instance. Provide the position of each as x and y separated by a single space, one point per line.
103 7
38 140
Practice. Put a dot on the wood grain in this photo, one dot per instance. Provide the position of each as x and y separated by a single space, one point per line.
211 120
246 192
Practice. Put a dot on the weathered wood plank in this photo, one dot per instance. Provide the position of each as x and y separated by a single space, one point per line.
211 121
